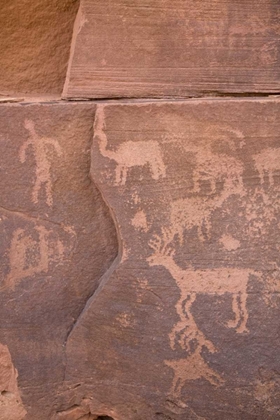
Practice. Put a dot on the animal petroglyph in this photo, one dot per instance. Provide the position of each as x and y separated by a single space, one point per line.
218 281
43 164
11 406
191 368
216 167
129 154
196 212
30 254
267 162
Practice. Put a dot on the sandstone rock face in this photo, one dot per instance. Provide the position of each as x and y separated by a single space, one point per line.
139 48
35 39
57 240
185 323
10 402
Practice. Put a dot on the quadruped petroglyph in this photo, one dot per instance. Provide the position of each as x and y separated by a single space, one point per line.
267 163
129 154
40 147
198 229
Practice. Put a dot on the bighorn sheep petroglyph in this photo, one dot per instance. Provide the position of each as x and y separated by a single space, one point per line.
129 154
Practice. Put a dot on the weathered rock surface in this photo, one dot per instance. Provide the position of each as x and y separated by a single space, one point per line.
185 324
139 48
57 240
11 407
35 40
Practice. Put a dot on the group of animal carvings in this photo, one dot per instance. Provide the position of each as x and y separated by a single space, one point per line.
195 212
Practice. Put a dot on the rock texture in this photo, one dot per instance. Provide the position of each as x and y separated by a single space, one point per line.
185 324
35 39
57 240
11 407
139 48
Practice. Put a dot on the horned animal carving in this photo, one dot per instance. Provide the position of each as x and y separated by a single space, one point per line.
129 154
218 281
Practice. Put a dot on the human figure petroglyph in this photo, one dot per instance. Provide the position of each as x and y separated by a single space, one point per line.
217 281
43 164
23 242
129 154
267 162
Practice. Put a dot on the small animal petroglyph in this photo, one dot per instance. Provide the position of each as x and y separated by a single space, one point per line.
216 281
43 165
129 154
191 212
216 167
30 254
191 368
267 162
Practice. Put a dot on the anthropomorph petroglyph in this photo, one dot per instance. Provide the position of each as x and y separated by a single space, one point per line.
267 162
31 253
43 165
129 154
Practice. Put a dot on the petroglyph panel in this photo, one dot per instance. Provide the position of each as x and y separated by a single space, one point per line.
194 190
121 48
57 240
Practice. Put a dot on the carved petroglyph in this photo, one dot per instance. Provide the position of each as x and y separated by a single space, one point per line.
11 406
129 154
267 162
139 221
43 165
191 368
216 281
229 243
31 252
216 167
196 212
185 333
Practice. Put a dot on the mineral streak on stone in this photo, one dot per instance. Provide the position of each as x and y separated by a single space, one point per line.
178 48
35 40
57 240
184 325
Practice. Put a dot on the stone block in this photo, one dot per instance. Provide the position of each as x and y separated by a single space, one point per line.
159 49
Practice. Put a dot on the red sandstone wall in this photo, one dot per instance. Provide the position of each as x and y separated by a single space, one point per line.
139 237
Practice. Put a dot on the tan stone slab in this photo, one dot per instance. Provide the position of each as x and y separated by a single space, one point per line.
163 48
35 38
185 325
56 241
